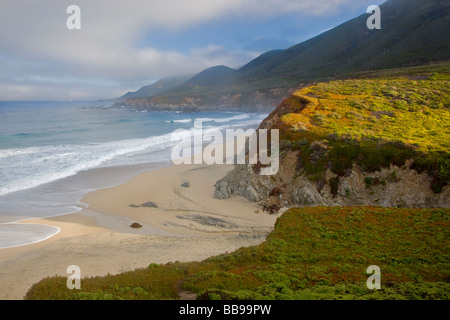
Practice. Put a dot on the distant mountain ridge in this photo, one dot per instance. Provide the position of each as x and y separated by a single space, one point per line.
210 74
260 60
158 87
413 32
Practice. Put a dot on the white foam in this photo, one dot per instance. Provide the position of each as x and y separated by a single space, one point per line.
26 168
15 235
31 167
181 121
221 120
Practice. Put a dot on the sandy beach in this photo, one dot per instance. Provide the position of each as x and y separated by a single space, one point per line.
184 224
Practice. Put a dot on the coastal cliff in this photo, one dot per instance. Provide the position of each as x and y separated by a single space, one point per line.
392 187
379 141
261 101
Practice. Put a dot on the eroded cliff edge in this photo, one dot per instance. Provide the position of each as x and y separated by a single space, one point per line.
382 141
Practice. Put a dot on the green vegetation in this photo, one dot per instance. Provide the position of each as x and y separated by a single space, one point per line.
373 122
313 253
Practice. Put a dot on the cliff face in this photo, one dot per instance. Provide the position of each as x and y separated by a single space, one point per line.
259 101
393 187
380 141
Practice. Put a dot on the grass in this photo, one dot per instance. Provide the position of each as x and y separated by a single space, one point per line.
313 253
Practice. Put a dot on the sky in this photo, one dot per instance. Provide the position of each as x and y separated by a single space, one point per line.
124 45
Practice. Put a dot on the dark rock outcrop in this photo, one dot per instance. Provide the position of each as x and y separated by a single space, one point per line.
136 225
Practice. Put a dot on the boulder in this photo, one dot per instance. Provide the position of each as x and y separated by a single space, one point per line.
251 194
149 204
223 190
136 225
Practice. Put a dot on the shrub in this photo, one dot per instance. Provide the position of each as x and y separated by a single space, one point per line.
334 185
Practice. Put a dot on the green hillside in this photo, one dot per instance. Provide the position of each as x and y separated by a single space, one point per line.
208 75
313 253
387 118
414 32
210 78
158 87
260 60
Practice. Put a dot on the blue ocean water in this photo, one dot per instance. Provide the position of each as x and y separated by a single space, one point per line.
52 153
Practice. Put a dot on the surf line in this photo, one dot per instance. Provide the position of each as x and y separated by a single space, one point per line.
18 222
257 141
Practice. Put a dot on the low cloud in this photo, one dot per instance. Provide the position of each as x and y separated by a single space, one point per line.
40 57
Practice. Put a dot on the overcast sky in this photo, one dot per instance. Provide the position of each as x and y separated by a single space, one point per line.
124 45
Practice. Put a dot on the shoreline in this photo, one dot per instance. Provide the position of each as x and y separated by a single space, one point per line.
29 222
27 206
188 224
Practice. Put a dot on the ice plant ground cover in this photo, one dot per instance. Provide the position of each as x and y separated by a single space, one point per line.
313 253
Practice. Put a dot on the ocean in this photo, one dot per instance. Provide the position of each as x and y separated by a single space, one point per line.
53 153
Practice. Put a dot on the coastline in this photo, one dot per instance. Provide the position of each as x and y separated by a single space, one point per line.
187 225
20 207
